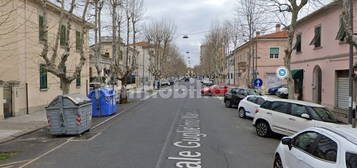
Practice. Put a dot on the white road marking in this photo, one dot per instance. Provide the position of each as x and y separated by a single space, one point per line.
13 163
161 156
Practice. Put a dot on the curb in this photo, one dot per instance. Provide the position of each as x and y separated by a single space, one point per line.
21 134
30 131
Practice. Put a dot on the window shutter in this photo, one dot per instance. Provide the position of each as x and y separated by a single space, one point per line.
78 40
43 76
341 34
41 28
274 51
63 35
78 80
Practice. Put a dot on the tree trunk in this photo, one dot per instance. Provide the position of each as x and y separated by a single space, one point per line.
65 86
123 93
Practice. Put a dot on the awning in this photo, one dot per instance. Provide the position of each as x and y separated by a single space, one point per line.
298 74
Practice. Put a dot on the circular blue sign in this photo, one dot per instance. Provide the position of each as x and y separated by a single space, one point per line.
258 82
282 73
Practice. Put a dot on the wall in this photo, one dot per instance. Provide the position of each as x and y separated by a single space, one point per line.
1 102
25 59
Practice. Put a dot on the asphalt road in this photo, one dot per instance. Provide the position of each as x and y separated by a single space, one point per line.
167 132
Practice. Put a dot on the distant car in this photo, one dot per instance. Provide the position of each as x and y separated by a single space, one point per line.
287 117
164 83
324 147
273 90
235 95
215 90
207 82
249 105
282 93
172 82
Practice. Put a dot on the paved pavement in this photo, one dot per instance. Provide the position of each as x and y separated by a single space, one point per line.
163 133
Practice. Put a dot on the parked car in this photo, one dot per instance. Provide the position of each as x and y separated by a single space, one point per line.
282 93
290 116
215 90
164 83
273 90
325 147
235 95
207 82
249 105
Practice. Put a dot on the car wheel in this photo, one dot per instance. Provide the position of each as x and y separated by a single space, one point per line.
263 129
277 162
241 113
228 104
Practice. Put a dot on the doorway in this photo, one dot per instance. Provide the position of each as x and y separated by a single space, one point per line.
8 111
317 85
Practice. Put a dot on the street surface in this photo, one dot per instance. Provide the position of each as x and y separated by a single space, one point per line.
164 133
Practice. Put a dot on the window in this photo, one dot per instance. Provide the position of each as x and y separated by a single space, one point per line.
43 76
351 160
260 101
41 28
280 107
78 40
297 46
322 114
305 141
316 41
106 54
326 149
63 35
274 53
78 80
266 105
298 110
252 99
242 92
341 34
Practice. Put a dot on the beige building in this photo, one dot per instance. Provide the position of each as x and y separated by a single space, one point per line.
26 85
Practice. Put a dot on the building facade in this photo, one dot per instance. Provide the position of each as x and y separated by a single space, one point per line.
320 59
26 85
267 55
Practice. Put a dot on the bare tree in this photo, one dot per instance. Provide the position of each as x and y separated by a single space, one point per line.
293 7
59 68
98 6
160 34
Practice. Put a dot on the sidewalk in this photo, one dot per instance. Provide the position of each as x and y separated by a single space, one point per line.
17 126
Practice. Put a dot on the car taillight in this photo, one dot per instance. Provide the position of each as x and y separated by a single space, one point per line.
257 111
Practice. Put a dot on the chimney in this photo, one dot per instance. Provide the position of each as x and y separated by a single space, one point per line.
258 33
278 28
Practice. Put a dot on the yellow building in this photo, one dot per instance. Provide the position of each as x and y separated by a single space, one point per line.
25 85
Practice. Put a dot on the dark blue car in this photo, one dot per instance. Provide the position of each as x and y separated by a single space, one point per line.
273 90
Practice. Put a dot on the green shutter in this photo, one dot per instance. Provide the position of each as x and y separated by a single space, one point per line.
63 35
41 28
78 80
78 40
43 77
341 34
274 51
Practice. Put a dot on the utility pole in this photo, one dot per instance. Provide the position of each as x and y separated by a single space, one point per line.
351 115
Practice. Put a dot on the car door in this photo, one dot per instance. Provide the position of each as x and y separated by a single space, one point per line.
249 107
296 122
302 148
325 152
280 117
242 93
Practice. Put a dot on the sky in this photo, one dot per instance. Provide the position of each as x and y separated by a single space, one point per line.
192 18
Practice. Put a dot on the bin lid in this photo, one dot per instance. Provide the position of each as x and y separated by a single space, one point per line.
103 92
76 99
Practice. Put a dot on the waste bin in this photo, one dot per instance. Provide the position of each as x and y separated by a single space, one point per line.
103 102
69 115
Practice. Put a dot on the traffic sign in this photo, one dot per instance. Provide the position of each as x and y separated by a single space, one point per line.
282 72
258 82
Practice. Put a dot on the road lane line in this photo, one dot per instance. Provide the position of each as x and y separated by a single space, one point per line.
48 152
167 140
13 163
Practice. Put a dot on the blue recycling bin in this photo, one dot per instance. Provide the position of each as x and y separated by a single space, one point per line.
103 102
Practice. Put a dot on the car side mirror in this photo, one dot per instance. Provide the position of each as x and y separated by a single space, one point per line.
288 142
306 116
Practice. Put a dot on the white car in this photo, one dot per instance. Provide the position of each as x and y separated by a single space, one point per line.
288 117
249 105
323 147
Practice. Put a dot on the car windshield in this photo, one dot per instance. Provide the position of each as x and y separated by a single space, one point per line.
323 114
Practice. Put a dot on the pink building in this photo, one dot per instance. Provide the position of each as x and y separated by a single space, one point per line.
269 51
320 60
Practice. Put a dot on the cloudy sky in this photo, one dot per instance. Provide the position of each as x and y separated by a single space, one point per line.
192 17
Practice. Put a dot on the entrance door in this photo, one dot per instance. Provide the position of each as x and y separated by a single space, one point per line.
317 85
342 89
8 102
